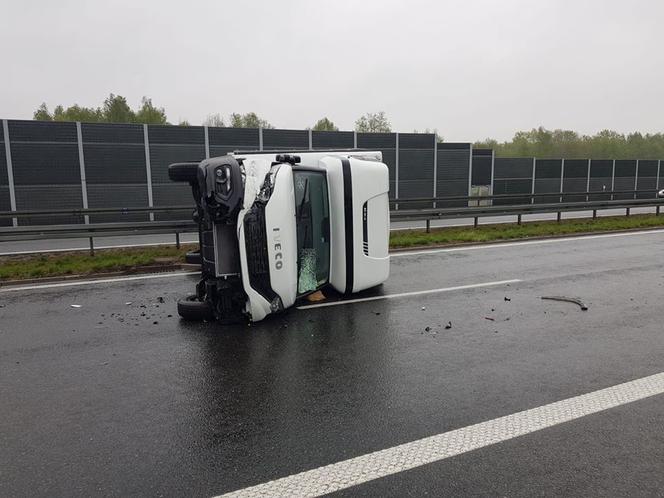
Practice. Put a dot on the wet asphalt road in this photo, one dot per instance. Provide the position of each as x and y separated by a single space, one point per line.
116 399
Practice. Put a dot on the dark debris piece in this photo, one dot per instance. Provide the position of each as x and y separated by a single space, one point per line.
574 300
160 299
489 318
508 298
448 326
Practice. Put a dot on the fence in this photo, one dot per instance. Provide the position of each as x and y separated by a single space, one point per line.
65 165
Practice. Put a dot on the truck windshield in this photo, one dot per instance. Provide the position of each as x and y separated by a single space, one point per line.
312 215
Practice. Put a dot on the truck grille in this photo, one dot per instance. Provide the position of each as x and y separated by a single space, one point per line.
258 263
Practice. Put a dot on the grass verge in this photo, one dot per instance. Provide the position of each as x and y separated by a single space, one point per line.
79 263
488 233
114 260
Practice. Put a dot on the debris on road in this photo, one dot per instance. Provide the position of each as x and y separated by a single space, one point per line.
489 318
424 308
448 326
160 299
75 305
427 329
574 300
508 298
128 303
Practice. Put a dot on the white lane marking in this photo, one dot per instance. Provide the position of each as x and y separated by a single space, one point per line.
98 281
87 248
524 243
406 294
361 469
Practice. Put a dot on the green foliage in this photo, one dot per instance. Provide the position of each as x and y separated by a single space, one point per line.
373 122
607 144
248 120
214 120
184 122
150 114
115 109
325 124
42 114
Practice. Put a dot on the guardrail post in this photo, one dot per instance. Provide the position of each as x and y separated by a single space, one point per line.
81 164
10 171
428 225
148 168
657 211
518 219
532 186
177 240
476 221
206 132
92 247
626 211
636 179
559 216
396 169
594 214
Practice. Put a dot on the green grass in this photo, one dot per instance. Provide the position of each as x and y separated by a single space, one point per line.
78 263
487 233
113 260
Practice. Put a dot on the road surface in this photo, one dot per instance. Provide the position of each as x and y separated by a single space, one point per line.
519 396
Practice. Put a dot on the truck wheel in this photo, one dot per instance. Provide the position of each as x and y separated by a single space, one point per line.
183 172
193 257
192 309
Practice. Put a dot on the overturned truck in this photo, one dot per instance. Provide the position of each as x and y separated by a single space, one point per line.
275 227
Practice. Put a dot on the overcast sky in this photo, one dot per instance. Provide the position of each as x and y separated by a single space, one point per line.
472 69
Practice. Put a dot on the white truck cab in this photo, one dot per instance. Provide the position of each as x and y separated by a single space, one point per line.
277 226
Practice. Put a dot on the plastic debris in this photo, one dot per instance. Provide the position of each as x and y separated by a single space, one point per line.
508 298
489 318
424 308
427 329
128 303
448 326
574 300
75 305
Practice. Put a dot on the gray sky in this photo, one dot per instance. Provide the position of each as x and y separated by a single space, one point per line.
471 69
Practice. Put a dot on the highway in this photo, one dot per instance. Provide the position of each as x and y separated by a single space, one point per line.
81 244
452 379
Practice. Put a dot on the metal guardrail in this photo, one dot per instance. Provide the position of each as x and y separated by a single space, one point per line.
530 206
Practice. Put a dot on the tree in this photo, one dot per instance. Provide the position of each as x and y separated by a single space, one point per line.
325 124
373 122
184 122
150 114
42 114
116 110
78 113
214 120
248 120
606 144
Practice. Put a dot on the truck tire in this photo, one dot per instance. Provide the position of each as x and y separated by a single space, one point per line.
193 257
183 172
194 310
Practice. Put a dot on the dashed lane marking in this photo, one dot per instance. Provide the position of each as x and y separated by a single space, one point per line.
365 468
407 294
